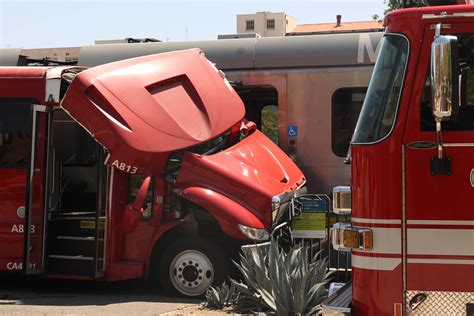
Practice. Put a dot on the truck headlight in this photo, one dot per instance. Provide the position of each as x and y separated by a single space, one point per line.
254 233
345 237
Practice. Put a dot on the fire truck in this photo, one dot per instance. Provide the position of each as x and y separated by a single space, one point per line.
412 173
134 169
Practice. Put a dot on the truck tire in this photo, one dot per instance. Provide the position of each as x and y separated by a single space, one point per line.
189 266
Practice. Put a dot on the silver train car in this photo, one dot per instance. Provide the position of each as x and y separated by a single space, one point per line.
304 92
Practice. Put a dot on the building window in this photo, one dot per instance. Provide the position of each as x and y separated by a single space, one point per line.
250 25
346 106
15 136
135 183
271 24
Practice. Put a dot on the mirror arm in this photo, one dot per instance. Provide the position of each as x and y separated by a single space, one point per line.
439 138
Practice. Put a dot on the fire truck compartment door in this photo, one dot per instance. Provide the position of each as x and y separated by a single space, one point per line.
440 220
143 107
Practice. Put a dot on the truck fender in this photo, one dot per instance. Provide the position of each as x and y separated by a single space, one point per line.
226 211
157 235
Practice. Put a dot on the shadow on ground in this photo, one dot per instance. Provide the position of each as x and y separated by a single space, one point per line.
46 292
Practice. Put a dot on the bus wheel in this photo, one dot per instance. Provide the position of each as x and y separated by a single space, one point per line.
189 266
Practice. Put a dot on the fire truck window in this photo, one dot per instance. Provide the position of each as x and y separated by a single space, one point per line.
346 106
135 182
270 122
15 135
465 119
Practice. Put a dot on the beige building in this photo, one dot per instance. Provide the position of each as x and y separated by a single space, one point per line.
66 54
266 24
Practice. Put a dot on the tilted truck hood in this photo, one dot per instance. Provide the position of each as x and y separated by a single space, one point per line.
250 173
141 109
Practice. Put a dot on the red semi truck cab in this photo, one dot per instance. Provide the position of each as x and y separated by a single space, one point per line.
142 167
412 163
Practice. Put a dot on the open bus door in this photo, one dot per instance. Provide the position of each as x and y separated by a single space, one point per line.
34 237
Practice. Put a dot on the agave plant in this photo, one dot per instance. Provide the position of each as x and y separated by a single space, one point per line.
286 281
221 296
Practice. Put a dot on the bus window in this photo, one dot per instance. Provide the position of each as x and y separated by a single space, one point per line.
346 106
269 122
14 132
134 184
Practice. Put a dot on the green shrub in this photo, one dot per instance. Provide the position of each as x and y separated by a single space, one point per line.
221 296
287 282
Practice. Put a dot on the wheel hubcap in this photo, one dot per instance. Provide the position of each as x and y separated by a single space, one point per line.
191 272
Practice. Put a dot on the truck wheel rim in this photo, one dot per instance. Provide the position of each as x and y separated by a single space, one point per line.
191 272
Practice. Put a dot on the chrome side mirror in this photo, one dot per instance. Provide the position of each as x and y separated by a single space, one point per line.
444 76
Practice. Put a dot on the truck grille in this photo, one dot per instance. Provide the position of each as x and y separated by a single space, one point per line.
281 202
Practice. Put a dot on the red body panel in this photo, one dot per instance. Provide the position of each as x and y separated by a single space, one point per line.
255 167
12 196
175 100
23 82
435 206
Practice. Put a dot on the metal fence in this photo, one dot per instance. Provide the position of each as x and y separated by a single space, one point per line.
338 261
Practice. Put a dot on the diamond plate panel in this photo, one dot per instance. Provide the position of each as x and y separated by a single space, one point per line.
441 303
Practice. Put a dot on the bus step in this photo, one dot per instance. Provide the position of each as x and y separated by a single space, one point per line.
73 246
76 257
74 227
71 265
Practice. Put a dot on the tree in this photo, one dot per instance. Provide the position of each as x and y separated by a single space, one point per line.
399 4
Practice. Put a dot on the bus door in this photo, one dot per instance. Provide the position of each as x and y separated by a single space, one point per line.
34 237
15 143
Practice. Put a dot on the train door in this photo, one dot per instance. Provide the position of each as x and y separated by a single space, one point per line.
264 96
261 107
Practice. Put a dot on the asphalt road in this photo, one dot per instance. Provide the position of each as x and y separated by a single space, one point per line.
42 297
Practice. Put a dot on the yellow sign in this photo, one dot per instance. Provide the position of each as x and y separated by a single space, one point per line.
88 224
309 225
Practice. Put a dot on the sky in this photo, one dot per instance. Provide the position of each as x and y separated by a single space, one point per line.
62 23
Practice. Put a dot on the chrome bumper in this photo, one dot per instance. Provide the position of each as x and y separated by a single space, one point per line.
339 303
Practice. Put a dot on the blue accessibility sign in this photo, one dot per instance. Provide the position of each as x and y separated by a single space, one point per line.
292 130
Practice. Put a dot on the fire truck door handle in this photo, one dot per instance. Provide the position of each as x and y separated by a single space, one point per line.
37 170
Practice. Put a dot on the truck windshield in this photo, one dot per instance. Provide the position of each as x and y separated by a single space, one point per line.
381 103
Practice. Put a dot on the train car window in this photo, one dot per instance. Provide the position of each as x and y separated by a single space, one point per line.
15 132
270 122
346 106
134 183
